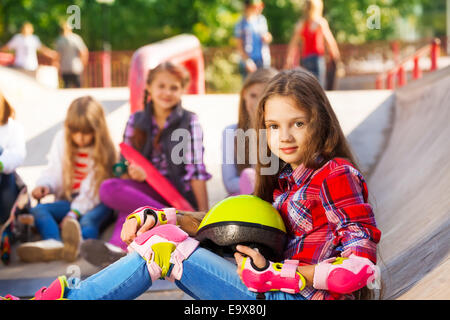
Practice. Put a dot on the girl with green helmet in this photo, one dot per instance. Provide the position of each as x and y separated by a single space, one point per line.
318 192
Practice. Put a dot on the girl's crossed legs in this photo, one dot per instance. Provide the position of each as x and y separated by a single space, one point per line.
206 276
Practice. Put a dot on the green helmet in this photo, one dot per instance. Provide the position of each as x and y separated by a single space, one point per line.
246 220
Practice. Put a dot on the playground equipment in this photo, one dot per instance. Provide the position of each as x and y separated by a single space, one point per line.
183 49
399 70
408 188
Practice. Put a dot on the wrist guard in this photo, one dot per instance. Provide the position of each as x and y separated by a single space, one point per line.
163 216
344 275
273 277
164 248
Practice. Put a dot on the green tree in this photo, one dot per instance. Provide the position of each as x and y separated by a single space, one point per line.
348 19
128 25
44 15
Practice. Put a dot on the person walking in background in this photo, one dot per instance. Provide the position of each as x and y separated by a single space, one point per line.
313 35
81 157
238 175
73 56
253 38
26 45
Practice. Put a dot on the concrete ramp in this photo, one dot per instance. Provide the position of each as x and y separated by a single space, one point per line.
410 188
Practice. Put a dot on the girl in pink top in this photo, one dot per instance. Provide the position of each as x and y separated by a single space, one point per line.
313 34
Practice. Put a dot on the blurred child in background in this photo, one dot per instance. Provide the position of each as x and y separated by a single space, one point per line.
238 174
80 159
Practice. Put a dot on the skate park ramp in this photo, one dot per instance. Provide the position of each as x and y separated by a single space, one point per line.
400 138
410 187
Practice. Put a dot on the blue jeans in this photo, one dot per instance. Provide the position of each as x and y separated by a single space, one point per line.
48 216
316 65
206 276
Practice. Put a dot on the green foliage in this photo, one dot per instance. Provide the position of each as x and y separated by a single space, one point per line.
222 74
128 25
282 16
44 15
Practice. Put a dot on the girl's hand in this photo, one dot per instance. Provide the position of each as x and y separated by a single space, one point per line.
188 223
258 258
250 66
267 37
130 229
39 192
136 173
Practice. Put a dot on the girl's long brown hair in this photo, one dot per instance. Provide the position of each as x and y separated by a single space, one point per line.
86 115
6 110
325 139
244 120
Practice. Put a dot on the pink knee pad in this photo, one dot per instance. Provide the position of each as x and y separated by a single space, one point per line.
344 275
163 216
274 277
164 233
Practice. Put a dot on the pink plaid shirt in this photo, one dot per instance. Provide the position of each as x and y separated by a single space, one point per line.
327 214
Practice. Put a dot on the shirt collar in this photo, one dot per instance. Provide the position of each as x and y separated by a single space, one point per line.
297 176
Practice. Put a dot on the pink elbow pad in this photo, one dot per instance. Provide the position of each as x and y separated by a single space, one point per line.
344 275
163 216
273 277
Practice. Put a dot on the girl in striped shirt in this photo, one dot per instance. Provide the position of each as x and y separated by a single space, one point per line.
80 159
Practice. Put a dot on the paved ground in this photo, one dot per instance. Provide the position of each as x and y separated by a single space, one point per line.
404 133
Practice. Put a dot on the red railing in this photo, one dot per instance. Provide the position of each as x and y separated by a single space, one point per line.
107 69
397 76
